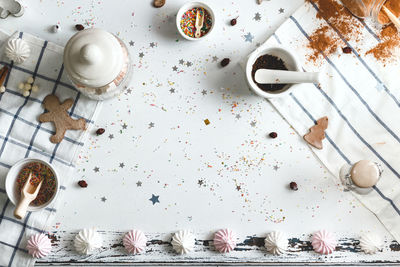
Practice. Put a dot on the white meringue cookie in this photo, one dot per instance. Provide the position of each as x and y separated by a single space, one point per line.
371 243
276 242
17 50
87 241
183 242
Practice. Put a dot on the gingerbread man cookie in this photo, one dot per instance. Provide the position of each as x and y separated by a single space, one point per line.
317 133
57 113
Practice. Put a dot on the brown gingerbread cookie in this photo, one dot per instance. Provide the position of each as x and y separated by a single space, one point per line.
317 133
57 113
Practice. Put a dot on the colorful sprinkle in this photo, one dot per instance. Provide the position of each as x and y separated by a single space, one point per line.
40 172
188 22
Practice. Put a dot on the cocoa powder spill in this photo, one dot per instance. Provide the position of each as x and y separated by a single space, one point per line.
385 51
327 40
324 38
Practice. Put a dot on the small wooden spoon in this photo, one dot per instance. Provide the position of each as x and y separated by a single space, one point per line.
392 17
199 24
28 194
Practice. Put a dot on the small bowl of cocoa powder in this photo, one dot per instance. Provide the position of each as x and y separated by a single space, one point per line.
276 58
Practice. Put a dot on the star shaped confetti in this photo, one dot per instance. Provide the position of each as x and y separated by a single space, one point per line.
238 116
257 17
124 126
174 68
141 54
238 188
281 10
172 90
181 62
379 86
121 165
111 136
103 199
275 167
138 183
204 92
151 125
152 44
200 182
96 169
189 63
131 43
154 199
129 90
248 38
253 124
214 59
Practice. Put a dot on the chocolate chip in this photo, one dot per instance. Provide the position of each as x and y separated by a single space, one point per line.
158 3
79 27
82 183
233 22
225 62
347 50
273 135
100 131
293 186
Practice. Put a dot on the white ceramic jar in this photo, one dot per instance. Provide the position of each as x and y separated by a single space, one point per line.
98 63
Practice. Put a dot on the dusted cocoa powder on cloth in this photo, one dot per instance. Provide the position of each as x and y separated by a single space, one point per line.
325 38
385 50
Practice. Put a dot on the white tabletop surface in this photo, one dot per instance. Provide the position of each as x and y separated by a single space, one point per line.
225 174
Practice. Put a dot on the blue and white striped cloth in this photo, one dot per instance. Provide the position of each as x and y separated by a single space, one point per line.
22 136
362 102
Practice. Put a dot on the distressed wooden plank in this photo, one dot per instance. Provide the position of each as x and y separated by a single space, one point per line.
250 250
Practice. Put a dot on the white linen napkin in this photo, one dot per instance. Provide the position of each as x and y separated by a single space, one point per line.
22 136
362 102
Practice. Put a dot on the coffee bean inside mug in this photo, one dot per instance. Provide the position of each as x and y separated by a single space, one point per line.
268 62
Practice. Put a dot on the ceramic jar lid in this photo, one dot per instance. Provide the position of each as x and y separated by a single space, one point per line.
93 58
365 173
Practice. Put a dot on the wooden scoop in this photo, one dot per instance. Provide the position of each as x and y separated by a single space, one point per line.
28 194
392 17
199 24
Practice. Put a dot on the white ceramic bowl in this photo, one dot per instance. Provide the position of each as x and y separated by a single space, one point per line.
288 57
185 8
11 182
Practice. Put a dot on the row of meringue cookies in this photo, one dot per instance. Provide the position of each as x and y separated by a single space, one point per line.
87 241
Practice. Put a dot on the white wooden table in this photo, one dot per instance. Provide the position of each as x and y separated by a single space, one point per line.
225 174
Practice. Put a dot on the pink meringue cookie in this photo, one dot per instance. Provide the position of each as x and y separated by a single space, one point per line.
225 240
39 245
134 241
324 242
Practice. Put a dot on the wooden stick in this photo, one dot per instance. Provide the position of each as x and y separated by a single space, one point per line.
3 74
392 17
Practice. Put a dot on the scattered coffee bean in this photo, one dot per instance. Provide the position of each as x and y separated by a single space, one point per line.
347 50
233 22
79 27
225 62
158 3
273 135
293 186
82 183
100 131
